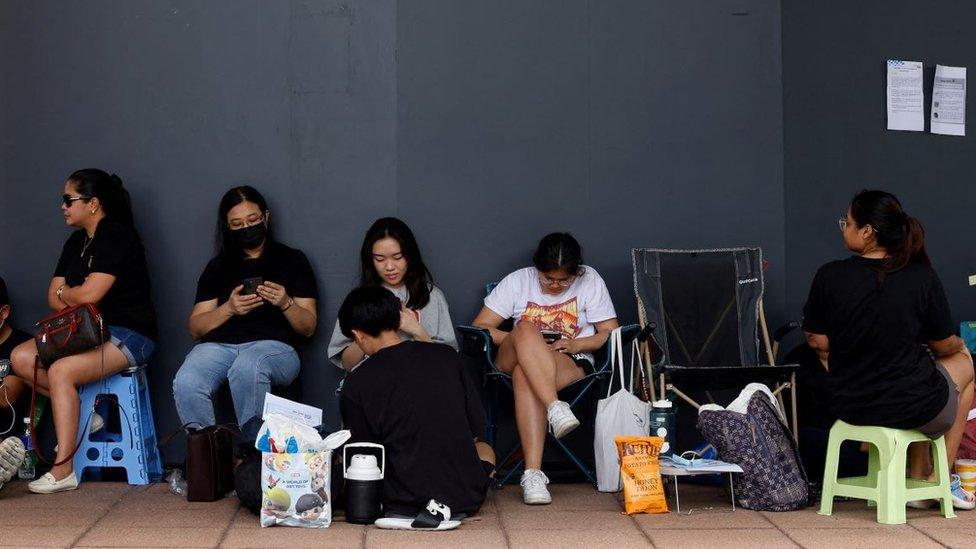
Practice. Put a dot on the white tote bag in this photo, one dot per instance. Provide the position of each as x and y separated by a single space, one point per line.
621 413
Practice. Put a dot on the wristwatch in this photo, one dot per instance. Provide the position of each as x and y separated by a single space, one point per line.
59 292
290 303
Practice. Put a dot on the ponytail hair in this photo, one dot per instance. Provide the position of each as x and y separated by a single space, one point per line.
897 232
110 192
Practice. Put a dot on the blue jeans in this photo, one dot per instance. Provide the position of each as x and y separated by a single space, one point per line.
249 368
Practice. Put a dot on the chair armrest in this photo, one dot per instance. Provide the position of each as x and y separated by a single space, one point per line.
785 330
474 341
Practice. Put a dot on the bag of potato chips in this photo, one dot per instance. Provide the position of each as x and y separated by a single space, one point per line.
641 474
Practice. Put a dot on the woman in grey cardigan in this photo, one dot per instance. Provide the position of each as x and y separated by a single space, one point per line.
390 257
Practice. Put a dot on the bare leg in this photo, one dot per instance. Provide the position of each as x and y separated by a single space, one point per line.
530 418
14 387
960 368
65 376
485 453
22 360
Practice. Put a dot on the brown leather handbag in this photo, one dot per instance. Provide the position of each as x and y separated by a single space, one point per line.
209 463
70 331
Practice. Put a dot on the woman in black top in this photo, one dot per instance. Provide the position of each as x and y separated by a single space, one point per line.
104 263
255 302
872 315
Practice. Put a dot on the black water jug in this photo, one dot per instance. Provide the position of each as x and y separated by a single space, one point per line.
364 484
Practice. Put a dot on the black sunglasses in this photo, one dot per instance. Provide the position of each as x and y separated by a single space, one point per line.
67 199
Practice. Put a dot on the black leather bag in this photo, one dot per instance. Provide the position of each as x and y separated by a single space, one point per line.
70 331
209 463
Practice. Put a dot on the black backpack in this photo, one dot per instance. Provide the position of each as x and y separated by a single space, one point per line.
759 441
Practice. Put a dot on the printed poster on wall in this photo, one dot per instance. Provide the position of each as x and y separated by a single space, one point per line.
905 96
949 101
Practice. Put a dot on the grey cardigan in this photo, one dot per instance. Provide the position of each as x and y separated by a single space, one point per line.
434 317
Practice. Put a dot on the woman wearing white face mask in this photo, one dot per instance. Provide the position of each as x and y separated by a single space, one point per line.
255 302
390 257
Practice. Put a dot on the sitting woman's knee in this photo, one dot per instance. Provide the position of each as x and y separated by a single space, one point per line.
526 331
22 359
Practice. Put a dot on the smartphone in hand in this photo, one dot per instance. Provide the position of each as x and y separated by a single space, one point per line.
251 285
551 337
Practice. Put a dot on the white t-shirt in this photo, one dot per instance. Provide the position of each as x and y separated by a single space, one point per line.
571 313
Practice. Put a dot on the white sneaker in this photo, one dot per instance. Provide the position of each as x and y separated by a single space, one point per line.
561 419
534 491
11 456
47 484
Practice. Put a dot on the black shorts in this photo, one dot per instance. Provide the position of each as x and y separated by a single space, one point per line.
583 361
945 418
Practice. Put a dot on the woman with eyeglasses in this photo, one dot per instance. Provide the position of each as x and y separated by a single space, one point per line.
562 313
103 262
390 257
882 320
255 302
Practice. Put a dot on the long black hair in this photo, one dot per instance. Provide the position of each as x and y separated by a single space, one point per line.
111 194
417 279
558 251
900 234
223 243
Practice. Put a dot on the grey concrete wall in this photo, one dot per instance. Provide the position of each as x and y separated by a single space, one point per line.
834 65
483 124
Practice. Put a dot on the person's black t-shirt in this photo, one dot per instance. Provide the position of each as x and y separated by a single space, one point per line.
116 250
15 338
279 264
879 372
21 407
418 401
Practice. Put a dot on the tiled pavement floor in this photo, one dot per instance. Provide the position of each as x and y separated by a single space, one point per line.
118 515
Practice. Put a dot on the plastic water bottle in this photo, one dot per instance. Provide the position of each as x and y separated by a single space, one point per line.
27 470
662 424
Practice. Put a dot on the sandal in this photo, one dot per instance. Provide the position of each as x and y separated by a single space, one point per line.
435 517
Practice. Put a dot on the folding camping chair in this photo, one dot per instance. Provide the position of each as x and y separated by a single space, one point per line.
707 308
476 342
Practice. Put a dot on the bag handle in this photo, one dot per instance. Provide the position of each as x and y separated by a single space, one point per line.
635 355
616 358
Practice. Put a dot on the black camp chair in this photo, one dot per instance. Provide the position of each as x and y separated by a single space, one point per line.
707 308
476 342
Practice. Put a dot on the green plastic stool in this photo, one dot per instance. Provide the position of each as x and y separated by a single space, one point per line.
886 484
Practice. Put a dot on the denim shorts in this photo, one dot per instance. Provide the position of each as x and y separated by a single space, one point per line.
137 348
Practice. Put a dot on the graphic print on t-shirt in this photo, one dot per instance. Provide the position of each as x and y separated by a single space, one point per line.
562 317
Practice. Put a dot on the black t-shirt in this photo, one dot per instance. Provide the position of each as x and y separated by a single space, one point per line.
417 400
116 250
15 338
279 264
879 372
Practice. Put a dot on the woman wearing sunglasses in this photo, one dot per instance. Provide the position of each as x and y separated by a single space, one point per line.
104 263
562 313
255 302
872 315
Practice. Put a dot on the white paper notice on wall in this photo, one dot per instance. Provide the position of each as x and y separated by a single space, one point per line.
905 96
949 101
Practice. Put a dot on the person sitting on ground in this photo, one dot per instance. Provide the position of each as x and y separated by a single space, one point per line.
560 296
102 263
872 314
255 302
14 387
11 387
390 257
417 400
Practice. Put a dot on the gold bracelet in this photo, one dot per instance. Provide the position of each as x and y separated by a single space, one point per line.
59 292
290 303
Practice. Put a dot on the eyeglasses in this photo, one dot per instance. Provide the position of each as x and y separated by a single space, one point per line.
562 283
251 220
67 199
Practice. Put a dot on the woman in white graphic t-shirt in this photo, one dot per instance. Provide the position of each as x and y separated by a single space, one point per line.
562 313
